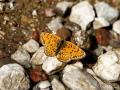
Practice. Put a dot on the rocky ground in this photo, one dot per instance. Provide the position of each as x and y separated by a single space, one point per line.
93 25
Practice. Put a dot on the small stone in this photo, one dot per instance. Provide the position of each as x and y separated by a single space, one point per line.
49 12
103 37
1 6
34 13
43 85
55 24
82 39
116 27
39 57
22 57
57 85
52 65
31 46
82 14
13 77
100 23
64 33
76 79
64 5
37 75
107 66
25 20
34 35
107 12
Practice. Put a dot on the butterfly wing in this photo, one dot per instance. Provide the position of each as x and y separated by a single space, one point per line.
70 51
51 43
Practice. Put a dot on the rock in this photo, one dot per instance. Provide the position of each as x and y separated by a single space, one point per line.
38 57
31 46
55 24
103 37
104 86
49 12
57 85
100 23
77 79
34 13
1 6
82 39
22 57
116 27
71 67
107 12
43 85
52 65
13 77
37 75
82 14
64 33
107 66
64 5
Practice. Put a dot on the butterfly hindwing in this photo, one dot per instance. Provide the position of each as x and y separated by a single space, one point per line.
51 43
70 51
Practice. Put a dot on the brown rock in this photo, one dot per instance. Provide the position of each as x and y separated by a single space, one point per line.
25 20
34 35
103 37
64 33
37 75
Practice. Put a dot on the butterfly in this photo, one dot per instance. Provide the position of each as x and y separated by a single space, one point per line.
65 51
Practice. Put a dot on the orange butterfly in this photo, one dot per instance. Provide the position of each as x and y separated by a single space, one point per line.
65 51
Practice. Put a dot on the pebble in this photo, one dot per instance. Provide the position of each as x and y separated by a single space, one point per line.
55 24
22 57
13 77
49 12
107 66
76 79
43 85
34 13
64 5
100 23
82 14
106 11
103 37
82 39
64 33
52 65
31 46
39 57
116 26
1 6
37 75
57 85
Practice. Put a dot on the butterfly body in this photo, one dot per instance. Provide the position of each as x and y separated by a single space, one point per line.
64 50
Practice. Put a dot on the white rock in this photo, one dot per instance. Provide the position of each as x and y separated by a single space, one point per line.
64 5
57 85
82 14
76 79
55 24
116 27
82 39
1 6
108 67
31 46
100 23
107 12
71 67
43 85
21 56
51 65
38 57
12 77
34 13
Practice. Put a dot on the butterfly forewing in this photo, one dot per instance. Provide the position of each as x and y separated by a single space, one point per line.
51 43
70 51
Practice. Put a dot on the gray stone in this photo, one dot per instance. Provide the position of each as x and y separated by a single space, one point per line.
13 77
82 14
